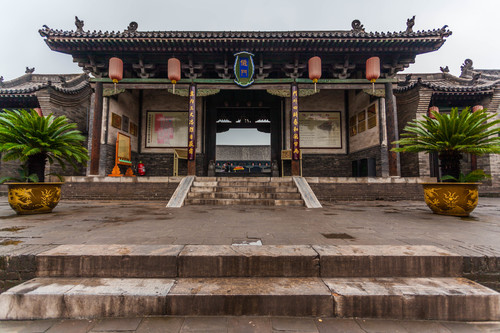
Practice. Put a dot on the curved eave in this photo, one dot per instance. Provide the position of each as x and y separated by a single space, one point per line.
415 45
487 89
31 90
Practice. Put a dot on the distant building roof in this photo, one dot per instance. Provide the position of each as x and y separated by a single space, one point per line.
29 83
476 81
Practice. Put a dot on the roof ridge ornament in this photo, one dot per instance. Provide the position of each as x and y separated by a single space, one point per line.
444 32
79 24
357 27
409 24
444 69
132 27
466 67
475 78
29 70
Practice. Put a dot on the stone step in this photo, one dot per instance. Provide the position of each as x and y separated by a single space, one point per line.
204 184
244 195
244 202
254 184
454 299
156 261
258 189
202 189
44 298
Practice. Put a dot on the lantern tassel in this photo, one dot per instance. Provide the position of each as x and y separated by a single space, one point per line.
173 86
373 85
315 80
115 81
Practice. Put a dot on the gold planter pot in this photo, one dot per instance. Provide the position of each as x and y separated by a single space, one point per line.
455 199
34 198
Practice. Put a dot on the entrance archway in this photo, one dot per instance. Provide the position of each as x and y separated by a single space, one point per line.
244 117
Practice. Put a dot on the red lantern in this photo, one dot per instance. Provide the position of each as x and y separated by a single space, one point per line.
39 111
115 70
314 66
477 108
432 109
174 71
373 70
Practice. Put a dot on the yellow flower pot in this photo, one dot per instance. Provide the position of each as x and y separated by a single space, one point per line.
34 198
455 199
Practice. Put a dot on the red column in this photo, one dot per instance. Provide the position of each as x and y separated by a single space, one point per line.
295 131
192 131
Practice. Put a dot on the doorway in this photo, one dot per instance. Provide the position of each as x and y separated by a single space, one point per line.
243 132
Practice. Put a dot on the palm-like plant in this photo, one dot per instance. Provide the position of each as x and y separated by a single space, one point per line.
34 139
450 135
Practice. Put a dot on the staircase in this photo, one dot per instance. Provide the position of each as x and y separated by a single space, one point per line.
398 282
258 191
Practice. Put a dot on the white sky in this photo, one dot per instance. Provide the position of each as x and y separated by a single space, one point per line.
474 24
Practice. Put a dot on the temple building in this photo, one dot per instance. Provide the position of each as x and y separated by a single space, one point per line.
328 123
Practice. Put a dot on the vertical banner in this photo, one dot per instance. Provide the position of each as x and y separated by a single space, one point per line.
192 123
295 123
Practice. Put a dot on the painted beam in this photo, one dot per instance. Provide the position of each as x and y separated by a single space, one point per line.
231 82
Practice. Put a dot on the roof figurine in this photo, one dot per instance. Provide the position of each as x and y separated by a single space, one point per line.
409 24
29 70
357 27
444 69
466 67
79 24
132 27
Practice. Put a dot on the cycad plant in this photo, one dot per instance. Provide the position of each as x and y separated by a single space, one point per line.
450 135
34 139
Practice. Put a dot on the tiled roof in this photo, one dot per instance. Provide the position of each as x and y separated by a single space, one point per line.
28 84
47 32
228 41
447 83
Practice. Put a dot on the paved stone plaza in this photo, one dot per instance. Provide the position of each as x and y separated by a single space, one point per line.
341 223
359 223
243 325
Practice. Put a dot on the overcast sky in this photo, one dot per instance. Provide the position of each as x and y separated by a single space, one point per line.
474 25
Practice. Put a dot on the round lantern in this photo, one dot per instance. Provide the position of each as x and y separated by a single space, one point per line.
314 66
115 70
432 109
477 108
373 70
174 71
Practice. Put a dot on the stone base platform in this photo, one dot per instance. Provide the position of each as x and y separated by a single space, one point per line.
385 281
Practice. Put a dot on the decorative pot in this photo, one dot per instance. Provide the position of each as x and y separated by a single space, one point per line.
34 198
455 199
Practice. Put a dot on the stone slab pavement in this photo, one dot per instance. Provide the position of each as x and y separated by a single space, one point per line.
356 223
242 325
360 223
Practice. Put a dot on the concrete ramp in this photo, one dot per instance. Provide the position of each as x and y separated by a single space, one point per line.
307 193
180 194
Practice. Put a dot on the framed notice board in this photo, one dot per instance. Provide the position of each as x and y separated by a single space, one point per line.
123 150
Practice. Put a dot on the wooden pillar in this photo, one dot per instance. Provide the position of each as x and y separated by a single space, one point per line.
392 130
192 131
96 130
295 142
